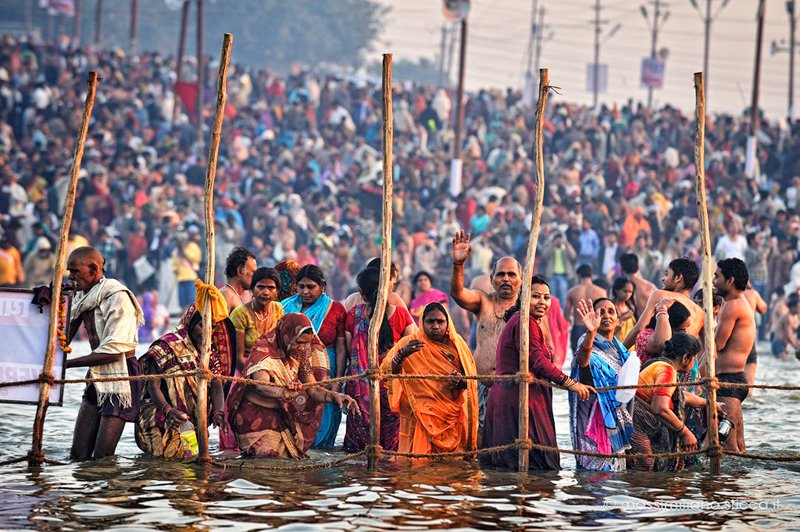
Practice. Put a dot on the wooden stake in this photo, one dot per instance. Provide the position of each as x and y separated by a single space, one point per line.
386 265
527 275
708 265
35 457
208 203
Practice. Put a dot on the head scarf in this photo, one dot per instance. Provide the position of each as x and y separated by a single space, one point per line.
287 270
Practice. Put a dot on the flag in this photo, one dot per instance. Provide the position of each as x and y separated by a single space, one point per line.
59 7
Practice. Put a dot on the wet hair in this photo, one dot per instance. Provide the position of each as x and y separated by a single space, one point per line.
677 314
538 279
265 273
314 273
716 299
629 263
688 269
430 307
584 271
620 283
602 282
681 344
237 258
513 309
376 263
736 269
368 282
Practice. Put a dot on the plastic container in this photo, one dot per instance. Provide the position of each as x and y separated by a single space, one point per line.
188 439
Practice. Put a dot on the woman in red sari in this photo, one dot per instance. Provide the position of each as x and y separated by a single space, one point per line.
502 411
279 419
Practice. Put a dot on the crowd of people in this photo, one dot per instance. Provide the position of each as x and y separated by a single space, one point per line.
299 184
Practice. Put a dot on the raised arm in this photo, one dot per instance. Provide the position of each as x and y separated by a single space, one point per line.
644 318
466 298
662 332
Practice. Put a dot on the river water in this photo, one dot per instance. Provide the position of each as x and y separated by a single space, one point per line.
136 492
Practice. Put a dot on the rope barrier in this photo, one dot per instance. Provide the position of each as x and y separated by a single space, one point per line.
244 464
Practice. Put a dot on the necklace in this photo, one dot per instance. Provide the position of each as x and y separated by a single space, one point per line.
255 313
235 293
494 309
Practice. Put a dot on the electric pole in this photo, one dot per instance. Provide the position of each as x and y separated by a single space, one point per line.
98 21
659 19
752 141
792 24
598 32
442 50
708 18
134 23
532 41
200 77
76 25
539 38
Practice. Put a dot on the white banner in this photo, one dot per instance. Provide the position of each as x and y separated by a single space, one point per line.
23 330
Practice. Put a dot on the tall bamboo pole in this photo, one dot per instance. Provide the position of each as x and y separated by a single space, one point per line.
708 264
386 265
35 456
208 204
527 275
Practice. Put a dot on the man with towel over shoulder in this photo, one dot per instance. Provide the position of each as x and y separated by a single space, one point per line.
111 316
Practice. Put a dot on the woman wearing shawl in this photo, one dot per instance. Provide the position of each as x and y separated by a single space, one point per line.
435 416
424 295
258 317
396 323
502 410
601 424
659 413
278 419
166 403
328 317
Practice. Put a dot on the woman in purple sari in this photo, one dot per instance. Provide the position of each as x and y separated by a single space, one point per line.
425 294
502 411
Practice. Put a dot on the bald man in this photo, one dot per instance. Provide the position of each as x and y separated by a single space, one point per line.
111 316
489 307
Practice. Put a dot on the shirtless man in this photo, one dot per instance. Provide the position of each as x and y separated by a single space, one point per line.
642 288
488 307
679 279
759 306
585 289
785 330
735 335
239 269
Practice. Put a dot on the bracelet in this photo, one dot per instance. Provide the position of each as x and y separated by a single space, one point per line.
679 430
217 411
569 382
169 409
662 313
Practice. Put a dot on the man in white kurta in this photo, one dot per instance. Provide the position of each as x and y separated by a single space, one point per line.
111 316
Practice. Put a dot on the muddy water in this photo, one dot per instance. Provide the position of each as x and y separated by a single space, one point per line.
133 491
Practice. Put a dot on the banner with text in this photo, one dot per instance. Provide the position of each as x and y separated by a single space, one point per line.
23 328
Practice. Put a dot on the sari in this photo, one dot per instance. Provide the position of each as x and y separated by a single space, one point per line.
172 353
419 303
650 433
331 414
287 270
559 332
501 426
288 431
601 424
433 417
357 434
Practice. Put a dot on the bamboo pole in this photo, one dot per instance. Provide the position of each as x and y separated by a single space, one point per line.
208 203
35 457
386 265
527 275
705 238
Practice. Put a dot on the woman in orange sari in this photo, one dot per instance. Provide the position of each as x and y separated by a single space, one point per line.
435 415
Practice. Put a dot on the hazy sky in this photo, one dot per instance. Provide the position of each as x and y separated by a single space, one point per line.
498 42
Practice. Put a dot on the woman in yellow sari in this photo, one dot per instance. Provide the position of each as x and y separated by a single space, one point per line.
435 415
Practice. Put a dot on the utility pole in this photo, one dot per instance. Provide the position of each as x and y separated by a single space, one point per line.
455 164
98 21
76 25
598 32
792 24
534 35
752 141
28 16
708 19
198 108
539 38
442 51
451 44
181 53
659 19
134 24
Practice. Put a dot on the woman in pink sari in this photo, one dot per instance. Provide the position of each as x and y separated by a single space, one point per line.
278 419
425 294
